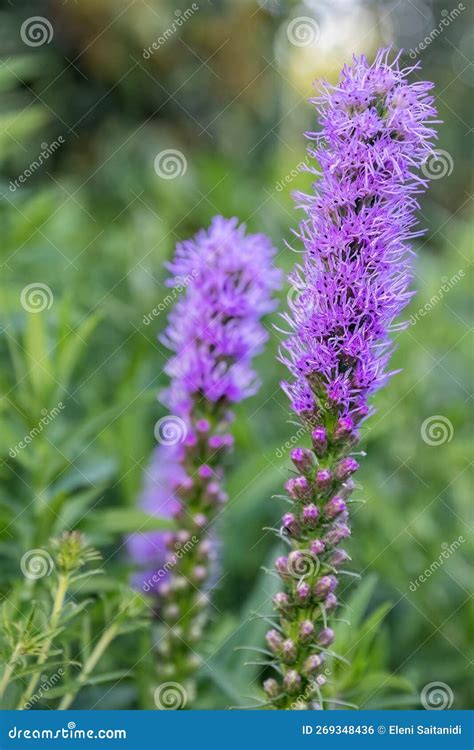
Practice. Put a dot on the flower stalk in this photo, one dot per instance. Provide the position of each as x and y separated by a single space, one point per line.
352 284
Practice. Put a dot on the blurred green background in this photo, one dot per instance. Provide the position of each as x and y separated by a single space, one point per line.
95 217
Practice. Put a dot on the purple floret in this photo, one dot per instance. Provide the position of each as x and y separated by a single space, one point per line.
355 276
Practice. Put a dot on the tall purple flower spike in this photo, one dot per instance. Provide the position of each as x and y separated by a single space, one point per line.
214 332
350 287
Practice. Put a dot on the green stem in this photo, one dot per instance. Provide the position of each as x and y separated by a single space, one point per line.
53 623
9 670
102 645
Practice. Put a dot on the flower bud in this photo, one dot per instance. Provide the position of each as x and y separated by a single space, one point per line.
303 593
317 546
182 537
205 472
200 520
281 601
326 637
338 557
324 586
274 640
337 534
199 573
320 441
306 631
288 651
345 468
323 479
271 687
202 426
330 602
310 515
303 460
281 565
335 506
312 664
344 427
292 682
298 488
290 523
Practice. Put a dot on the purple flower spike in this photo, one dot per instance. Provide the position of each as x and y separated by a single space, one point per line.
226 280
352 282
